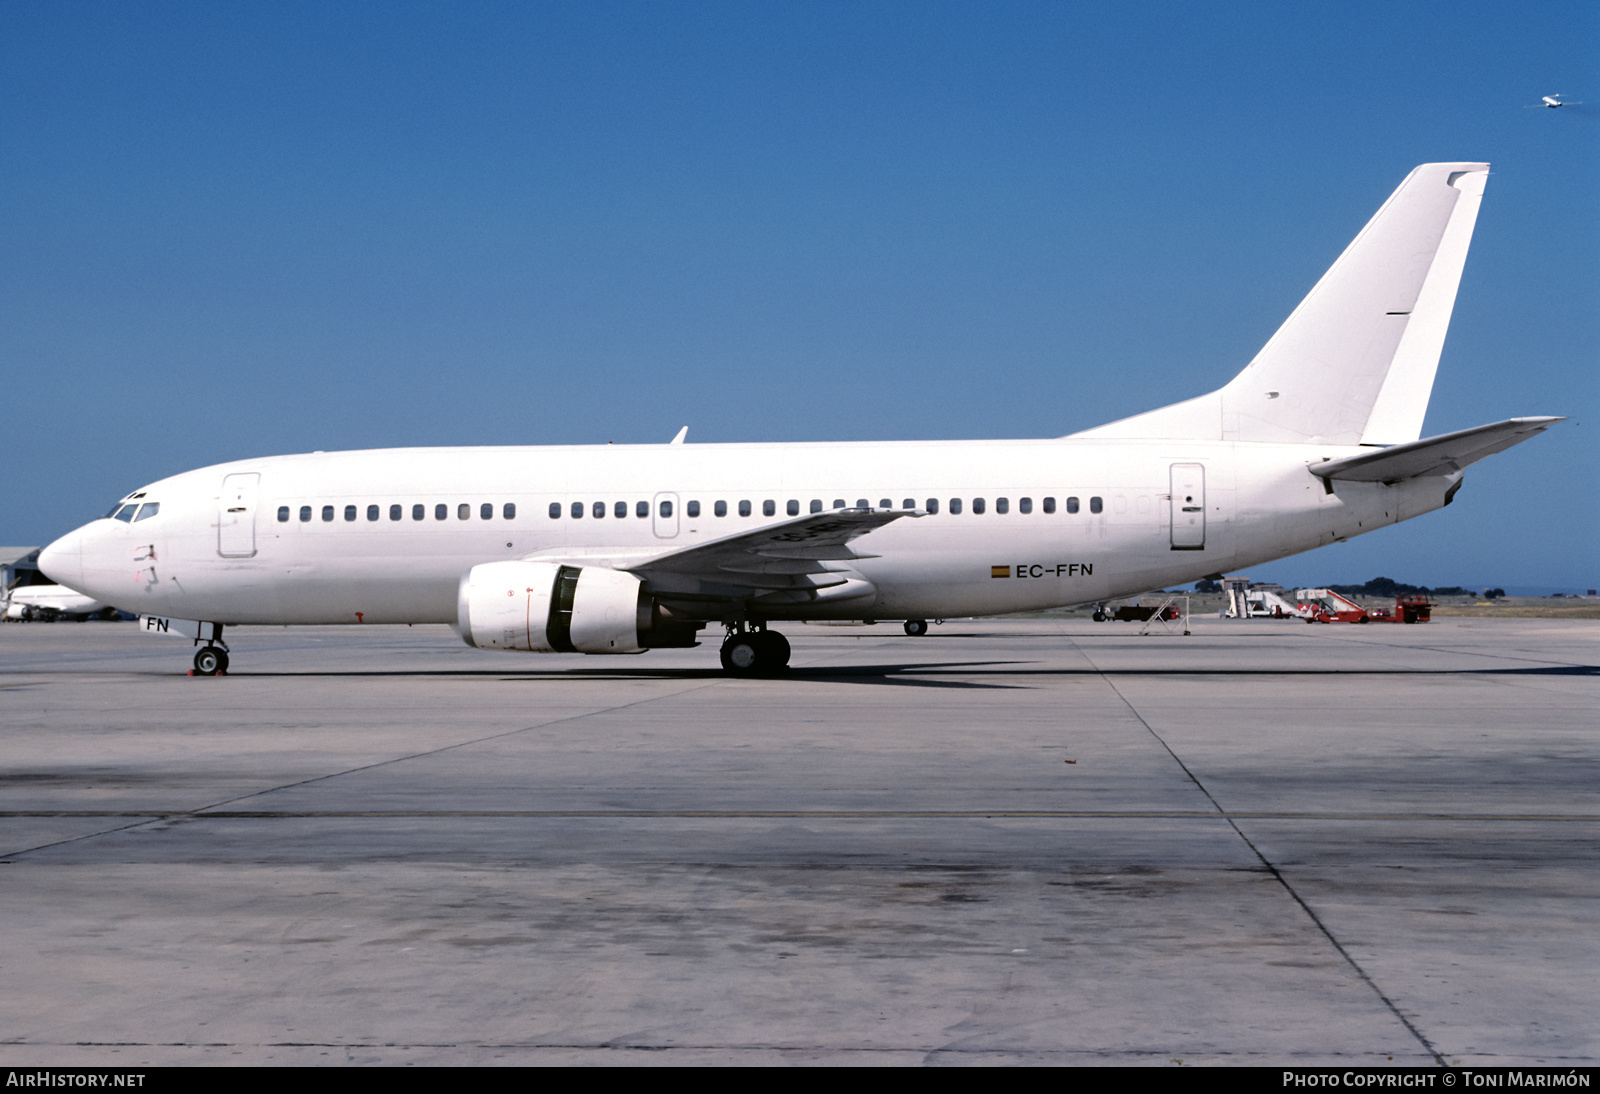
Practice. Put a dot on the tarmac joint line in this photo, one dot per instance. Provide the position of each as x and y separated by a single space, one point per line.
1276 874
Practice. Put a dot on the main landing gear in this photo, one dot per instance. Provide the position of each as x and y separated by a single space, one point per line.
916 628
751 652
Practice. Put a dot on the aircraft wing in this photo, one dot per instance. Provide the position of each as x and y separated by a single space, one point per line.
1441 455
808 552
795 559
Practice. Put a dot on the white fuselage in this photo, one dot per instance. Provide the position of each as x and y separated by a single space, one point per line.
210 554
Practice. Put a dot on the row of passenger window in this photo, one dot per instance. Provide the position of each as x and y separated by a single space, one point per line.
641 509
508 511
769 508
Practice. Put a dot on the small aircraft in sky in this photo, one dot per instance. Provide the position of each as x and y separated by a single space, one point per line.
1553 101
613 549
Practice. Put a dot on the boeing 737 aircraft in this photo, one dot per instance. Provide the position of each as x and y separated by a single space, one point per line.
618 549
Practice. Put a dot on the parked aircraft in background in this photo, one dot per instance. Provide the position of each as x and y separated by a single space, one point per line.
49 602
618 548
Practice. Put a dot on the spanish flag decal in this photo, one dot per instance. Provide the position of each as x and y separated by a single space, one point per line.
999 571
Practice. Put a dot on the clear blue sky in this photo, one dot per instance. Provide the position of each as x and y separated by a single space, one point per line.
235 230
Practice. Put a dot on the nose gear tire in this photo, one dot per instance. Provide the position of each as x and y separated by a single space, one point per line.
211 661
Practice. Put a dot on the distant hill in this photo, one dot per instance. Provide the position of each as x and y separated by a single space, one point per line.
1388 586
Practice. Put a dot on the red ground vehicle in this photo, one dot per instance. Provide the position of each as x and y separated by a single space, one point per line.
1327 606
1415 608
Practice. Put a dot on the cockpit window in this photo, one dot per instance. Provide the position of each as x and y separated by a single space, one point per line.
124 512
148 510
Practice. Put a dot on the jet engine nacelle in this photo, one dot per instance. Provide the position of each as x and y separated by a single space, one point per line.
547 607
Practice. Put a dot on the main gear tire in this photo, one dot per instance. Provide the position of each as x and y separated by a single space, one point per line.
774 651
741 654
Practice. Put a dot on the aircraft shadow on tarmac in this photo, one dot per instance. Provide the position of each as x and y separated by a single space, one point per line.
928 674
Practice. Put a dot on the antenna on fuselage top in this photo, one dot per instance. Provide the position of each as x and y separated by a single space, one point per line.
682 433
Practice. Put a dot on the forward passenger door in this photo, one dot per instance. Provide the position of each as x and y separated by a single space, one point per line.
236 516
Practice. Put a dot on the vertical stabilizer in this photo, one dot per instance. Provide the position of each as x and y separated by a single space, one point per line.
1354 363
1403 400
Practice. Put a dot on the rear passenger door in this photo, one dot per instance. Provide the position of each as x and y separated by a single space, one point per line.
1188 507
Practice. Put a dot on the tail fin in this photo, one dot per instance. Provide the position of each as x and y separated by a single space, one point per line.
1354 363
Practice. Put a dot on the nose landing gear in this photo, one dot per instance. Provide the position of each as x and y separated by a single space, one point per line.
211 659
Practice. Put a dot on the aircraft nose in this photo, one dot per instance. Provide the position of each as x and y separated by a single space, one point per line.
62 561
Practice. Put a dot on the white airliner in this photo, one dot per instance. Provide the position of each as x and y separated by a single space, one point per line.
29 602
617 549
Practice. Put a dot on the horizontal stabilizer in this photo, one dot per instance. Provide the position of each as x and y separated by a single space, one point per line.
1441 455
